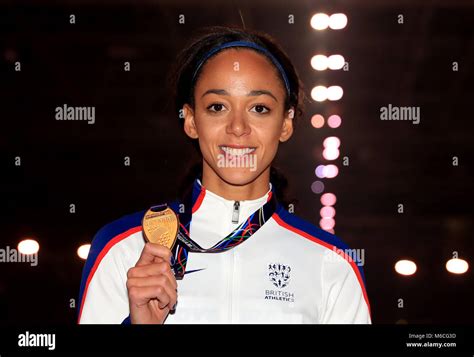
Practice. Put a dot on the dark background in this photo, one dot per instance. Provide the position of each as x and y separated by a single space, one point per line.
391 162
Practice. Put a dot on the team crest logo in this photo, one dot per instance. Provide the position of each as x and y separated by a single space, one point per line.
279 274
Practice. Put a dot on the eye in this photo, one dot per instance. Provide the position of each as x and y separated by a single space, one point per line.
217 107
260 109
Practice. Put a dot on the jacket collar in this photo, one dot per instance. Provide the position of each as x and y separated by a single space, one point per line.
200 193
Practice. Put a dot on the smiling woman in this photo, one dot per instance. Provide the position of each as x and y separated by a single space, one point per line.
239 110
240 256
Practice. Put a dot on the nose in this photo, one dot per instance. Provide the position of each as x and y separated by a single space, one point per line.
238 124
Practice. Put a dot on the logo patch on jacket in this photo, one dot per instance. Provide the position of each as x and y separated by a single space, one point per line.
279 275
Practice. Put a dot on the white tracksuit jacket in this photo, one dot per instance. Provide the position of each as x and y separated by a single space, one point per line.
318 282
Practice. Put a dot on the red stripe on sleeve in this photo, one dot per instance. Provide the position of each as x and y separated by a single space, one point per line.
99 258
329 246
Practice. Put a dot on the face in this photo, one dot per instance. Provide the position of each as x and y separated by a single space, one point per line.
238 117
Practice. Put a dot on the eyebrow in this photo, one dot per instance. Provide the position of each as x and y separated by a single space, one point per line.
253 93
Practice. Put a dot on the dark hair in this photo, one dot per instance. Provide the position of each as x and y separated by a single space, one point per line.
182 84
181 76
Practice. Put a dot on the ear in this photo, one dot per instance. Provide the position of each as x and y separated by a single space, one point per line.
287 127
189 124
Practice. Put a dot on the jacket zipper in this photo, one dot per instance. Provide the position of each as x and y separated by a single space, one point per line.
235 213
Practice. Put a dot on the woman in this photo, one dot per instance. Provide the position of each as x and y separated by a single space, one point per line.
238 95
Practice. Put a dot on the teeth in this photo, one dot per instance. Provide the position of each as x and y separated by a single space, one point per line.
237 152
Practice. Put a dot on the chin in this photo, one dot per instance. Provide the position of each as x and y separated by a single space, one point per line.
238 177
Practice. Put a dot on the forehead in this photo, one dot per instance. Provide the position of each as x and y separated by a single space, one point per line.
240 66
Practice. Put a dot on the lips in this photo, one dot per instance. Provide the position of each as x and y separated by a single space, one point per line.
234 151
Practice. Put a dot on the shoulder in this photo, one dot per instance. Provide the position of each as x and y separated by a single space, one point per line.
306 230
115 241
339 260
113 245
114 232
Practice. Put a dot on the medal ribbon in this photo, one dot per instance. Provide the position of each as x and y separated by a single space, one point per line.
245 230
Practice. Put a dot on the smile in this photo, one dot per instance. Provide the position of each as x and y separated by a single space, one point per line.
237 151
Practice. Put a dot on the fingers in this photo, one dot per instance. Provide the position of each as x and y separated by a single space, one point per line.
152 251
150 270
152 278
168 293
140 296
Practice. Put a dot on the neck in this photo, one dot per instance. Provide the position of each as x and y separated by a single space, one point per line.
250 191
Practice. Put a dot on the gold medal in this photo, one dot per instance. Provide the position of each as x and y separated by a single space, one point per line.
160 227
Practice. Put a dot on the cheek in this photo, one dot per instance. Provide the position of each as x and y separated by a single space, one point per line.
271 148
270 132
209 134
203 128
269 139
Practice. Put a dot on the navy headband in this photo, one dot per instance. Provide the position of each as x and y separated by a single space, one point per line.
244 44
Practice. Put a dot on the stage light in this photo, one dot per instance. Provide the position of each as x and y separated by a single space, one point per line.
335 62
337 21
457 266
330 171
320 21
334 121
28 246
319 93
319 171
317 187
332 142
328 199
405 267
317 121
322 62
334 93
327 223
331 153
327 212
83 251
319 62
